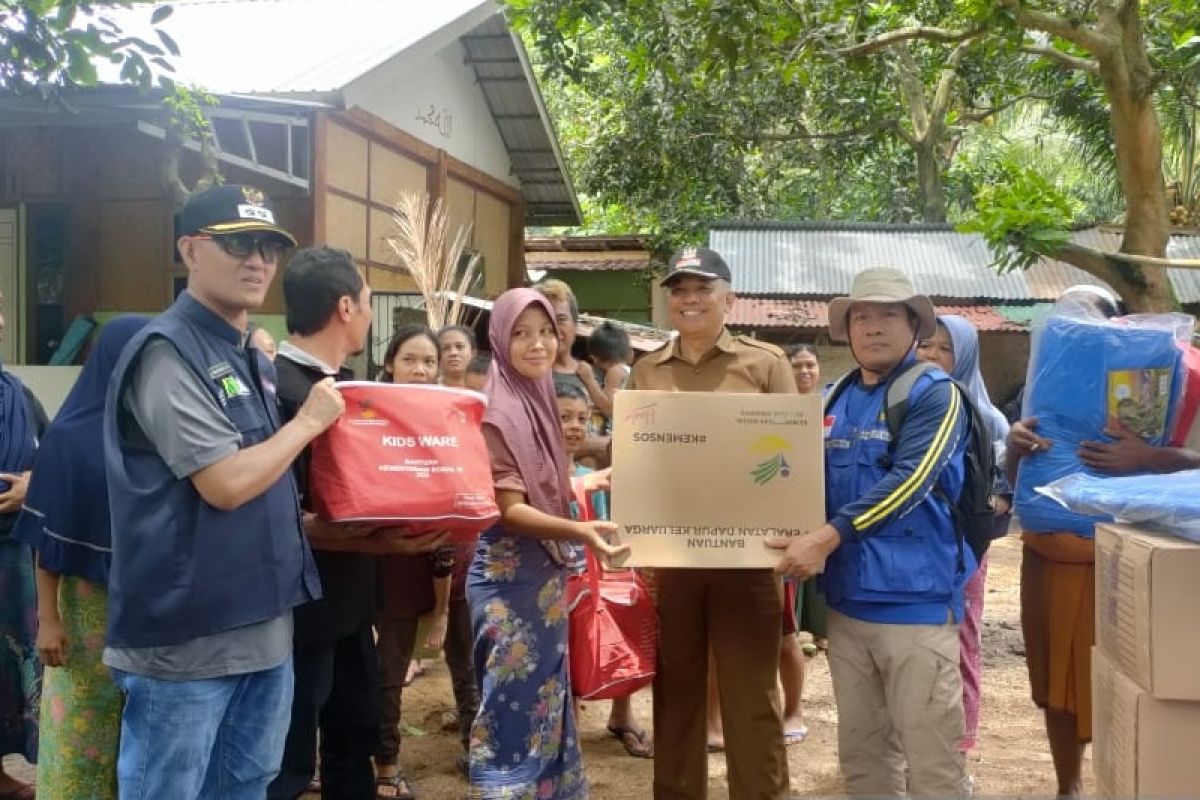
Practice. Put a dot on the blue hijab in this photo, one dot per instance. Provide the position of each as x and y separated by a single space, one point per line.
965 341
66 511
18 441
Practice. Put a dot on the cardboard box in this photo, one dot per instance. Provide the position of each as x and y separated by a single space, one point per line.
700 479
1147 599
1141 746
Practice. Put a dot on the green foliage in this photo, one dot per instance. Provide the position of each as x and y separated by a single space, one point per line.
185 109
1022 216
51 45
675 113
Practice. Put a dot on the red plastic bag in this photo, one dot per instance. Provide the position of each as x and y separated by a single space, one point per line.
1190 403
613 644
614 633
408 454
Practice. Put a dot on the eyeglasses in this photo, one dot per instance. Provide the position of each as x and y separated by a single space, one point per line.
241 245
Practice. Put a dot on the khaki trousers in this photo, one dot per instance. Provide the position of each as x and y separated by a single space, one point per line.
738 613
899 701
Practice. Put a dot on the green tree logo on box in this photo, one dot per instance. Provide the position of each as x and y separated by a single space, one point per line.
775 465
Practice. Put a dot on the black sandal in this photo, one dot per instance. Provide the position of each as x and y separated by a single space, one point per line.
634 741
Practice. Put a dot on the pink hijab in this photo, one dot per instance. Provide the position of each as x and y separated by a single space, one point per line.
524 411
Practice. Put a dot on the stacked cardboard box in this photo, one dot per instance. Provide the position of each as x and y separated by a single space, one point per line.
1146 665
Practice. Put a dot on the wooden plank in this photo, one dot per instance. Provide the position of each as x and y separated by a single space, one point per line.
346 225
516 244
133 255
482 181
370 125
346 159
320 185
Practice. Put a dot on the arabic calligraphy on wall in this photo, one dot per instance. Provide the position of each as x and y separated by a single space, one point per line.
439 119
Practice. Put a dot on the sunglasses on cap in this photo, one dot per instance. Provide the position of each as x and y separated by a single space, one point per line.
241 245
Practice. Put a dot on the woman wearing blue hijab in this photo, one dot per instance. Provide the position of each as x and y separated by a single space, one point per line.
954 347
66 522
21 422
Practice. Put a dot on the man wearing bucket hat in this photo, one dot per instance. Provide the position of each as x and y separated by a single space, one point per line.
209 557
890 555
735 612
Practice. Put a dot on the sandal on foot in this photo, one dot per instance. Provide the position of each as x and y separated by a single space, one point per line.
398 784
314 786
634 741
795 735
715 747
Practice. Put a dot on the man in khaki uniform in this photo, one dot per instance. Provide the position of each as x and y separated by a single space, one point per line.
736 612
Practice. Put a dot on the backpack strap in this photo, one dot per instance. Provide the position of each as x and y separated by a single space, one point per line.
898 391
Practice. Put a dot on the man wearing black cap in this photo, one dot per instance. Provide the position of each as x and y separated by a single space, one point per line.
735 612
209 557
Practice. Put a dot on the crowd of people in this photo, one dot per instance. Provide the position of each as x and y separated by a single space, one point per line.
206 635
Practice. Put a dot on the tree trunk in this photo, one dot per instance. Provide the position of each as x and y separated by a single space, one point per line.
1128 80
929 182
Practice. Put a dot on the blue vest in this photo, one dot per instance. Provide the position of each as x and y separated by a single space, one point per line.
907 570
182 569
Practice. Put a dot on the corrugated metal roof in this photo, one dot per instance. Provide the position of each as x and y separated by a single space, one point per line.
281 46
604 260
821 259
767 312
811 260
511 91
1049 278
317 47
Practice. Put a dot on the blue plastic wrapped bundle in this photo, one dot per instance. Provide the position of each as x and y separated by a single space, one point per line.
1168 503
1085 374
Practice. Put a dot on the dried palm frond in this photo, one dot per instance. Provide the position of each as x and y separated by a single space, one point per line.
432 256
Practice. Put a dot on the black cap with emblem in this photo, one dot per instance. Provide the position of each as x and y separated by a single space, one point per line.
230 208
698 261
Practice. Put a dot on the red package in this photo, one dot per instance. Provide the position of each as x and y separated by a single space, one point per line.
613 633
1190 403
408 454
613 644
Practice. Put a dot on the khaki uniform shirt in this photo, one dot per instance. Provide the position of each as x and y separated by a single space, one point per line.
734 364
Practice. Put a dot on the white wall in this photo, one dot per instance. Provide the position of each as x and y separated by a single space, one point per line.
49 385
415 84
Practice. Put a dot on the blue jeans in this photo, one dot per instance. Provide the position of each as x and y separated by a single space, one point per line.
218 739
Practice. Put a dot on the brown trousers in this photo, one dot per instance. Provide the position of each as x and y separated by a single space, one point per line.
396 645
737 612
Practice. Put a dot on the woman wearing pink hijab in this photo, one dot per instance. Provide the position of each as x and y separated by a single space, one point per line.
524 742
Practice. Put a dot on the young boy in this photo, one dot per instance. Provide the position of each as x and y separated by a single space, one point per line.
610 351
477 371
574 411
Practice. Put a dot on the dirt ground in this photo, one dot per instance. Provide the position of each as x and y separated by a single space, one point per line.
1012 758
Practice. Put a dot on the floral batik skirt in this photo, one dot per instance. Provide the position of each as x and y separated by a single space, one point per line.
524 743
20 669
81 706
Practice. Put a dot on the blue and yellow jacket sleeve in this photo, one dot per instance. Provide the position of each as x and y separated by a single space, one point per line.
933 430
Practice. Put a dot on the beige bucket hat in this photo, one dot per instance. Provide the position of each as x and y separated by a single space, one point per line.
882 285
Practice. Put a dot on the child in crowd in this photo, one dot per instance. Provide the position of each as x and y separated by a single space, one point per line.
477 370
412 587
610 351
574 411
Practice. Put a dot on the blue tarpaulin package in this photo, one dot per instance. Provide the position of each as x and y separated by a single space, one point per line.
1167 503
1085 375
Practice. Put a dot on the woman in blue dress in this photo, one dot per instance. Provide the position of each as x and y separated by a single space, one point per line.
524 742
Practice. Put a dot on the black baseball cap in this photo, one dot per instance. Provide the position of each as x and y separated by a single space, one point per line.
698 261
230 208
